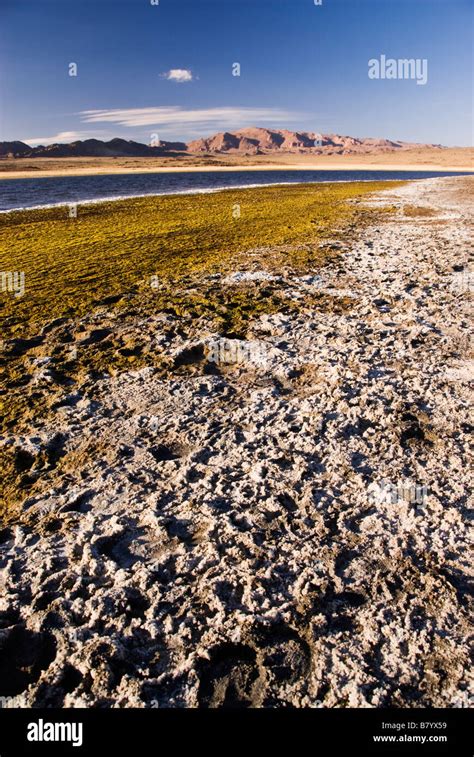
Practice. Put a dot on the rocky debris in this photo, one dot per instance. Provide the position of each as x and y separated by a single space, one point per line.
219 535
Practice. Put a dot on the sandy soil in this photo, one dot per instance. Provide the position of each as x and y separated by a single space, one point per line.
449 159
224 536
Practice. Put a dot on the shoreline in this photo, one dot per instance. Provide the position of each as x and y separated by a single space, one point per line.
106 171
184 193
205 191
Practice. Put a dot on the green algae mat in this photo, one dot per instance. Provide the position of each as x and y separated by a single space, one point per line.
73 264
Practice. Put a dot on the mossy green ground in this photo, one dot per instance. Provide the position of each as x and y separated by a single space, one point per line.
71 264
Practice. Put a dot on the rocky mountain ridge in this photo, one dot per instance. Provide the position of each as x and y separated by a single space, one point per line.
248 141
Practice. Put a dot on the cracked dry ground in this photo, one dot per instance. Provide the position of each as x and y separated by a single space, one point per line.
206 537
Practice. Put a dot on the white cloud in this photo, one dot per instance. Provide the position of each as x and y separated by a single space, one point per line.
63 136
171 119
179 75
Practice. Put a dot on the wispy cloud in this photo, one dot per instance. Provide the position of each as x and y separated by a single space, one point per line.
200 121
62 136
179 75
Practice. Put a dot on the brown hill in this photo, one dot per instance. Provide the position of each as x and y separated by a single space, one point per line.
259 141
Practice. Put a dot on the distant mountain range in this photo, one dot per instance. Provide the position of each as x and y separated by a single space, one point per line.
250 141
91 148
257 141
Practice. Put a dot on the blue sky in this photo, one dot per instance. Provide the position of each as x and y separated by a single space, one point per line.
303 66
